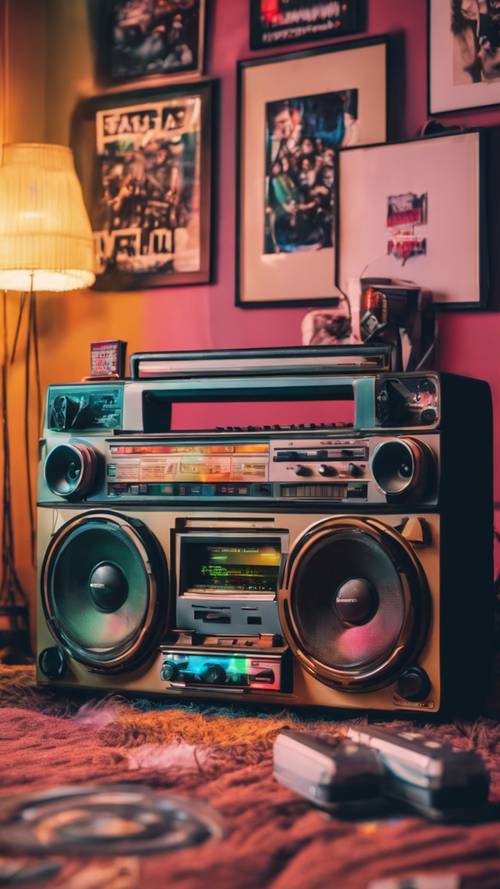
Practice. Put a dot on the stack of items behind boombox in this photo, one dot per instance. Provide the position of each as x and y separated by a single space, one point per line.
342 565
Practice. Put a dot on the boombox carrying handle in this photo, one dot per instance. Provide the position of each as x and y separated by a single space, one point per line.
157 400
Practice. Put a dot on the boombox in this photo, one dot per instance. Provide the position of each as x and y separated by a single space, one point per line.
342 560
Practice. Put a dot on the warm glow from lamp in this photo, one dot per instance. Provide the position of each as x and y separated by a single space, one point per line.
45 235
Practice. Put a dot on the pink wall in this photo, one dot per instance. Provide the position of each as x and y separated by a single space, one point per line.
199 317
206 317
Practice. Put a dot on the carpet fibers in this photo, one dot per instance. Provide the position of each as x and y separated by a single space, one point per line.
224 756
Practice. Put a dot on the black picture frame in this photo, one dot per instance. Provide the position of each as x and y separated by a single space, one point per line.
483 240
392 47
172 266
467 97
112 67
351 20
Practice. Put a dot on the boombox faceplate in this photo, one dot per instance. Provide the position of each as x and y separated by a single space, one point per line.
186 664
337 565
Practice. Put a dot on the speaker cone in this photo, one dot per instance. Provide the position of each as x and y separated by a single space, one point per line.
355 606
103 590
400 467
70 469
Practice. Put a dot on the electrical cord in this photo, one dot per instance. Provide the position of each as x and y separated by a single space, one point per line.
11 589
497 598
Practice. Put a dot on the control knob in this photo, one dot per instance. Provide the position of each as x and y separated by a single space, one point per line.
169 671
326 470
214 674
355 471
302 470
52 662
428 416
414 684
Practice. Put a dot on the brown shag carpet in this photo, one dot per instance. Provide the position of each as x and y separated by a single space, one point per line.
224 756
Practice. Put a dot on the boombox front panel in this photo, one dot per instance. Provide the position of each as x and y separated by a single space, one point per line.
341 468
240 628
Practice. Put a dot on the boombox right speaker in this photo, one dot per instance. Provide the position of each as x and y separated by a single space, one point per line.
347 567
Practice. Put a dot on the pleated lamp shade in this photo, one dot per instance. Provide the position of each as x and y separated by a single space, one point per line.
45 236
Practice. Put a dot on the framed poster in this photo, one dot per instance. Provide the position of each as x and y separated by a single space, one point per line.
294 111
135 39
279 22
464 54
415 210
145 160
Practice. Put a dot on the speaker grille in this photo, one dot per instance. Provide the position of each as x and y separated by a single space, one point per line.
104 590
356 604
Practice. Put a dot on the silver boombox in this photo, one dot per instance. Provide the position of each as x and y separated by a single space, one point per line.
344 564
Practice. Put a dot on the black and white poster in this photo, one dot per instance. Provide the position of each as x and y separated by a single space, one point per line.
147 181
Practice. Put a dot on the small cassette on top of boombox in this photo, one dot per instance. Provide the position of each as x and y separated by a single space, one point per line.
290 526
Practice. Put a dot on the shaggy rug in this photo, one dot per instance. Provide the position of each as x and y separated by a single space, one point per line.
224 756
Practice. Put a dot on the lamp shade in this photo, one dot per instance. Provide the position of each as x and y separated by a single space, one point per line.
45 235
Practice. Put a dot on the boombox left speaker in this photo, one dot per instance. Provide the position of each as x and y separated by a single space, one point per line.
104 590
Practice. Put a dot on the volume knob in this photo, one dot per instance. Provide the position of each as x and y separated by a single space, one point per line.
302 470
414 684
214 675
327 470
355 471
52 662
169 671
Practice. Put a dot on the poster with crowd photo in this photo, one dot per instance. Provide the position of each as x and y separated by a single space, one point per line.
142 38
464 54
301 137
279 22
294 112
151 164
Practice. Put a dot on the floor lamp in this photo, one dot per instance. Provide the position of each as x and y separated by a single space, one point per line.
45 245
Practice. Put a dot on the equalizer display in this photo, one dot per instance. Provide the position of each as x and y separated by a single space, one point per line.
239 566
188 463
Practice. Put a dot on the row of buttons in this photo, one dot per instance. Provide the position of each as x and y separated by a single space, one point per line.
321 454
120 489
277 428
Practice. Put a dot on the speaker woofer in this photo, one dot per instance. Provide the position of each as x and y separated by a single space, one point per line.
104 590
70 469
356 604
